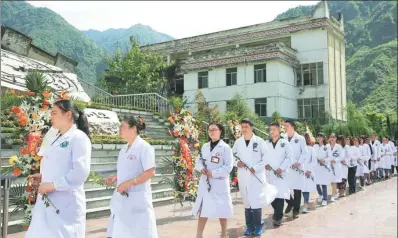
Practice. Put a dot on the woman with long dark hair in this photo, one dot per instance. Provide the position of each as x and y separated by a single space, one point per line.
309 168
132 213
335 152
65 168
322 169
341 140
214 198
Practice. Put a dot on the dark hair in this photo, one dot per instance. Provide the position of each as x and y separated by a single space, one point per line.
275 124
341 139
138 122
248 121
320 134
292 123
220 127
79 118
307 138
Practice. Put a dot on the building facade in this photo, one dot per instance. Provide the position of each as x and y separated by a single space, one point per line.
293 66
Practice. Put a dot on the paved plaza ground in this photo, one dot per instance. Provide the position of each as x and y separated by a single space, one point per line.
367 214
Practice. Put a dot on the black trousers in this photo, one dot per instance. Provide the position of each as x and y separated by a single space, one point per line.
392 169
253 217
277 205
296 201
351 179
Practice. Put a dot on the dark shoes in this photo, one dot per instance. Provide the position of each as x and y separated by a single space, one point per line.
278 223
249 231
295 214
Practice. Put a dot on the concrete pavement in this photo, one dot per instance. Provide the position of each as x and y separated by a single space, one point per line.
366 214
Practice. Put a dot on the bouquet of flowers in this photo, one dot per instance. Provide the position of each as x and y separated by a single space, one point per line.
185 129
33 115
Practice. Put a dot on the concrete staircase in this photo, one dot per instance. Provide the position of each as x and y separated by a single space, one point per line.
103 162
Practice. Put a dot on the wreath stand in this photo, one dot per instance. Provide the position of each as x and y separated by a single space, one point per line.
181 206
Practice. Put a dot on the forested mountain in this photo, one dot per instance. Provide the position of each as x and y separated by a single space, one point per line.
52 33
112 39
371 50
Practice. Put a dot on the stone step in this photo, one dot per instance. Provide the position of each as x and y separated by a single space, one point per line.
98 212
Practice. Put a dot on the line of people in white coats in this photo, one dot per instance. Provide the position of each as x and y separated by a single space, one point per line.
267 171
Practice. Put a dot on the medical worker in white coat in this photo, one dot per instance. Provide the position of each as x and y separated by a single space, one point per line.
310 177
278 159
250 149
296 178
65 168
214 197
386 153
335 153
363 170
394 151
374 167
322 169
353 154
341 140
132 213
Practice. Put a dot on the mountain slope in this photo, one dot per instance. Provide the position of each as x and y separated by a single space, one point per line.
371 50
52 33
112 39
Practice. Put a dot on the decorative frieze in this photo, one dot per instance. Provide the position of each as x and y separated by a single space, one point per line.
225 62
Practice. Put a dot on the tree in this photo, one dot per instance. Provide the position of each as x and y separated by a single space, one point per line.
134 72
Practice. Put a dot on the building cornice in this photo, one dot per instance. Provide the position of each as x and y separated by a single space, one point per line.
265 55
190 44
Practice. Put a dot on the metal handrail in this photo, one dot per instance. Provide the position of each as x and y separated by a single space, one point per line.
148 101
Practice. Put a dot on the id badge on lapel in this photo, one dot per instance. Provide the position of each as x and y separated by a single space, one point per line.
215 159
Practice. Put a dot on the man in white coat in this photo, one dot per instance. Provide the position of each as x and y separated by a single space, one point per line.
378 171
295 176
278 160
251 175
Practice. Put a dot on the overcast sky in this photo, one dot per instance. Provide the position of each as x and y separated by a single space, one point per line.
178 19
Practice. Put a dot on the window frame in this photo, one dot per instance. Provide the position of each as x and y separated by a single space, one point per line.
261 102
201 78
310 70
231 72
262 69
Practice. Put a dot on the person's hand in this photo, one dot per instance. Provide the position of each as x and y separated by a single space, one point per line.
45 188
110 180
204 171
308 173
278 171
34 179
240 164
332 161
322 161
123 187
343 161
252 170
267 167
296 165
209 174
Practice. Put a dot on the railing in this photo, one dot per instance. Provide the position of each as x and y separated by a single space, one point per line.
152 102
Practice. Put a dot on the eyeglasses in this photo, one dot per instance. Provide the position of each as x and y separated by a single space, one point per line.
213 130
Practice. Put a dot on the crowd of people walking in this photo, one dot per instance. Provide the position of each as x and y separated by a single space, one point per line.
284 168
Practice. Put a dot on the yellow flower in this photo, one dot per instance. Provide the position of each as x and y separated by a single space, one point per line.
182 165
37 158
12 159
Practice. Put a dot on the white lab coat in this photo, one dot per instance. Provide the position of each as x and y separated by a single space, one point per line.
363 161
254 194
335 154
279 157
323 175
67 164
310 165
344 168
134 216
394 150
218 202
376 157
48 138
353 154
385 153
300 153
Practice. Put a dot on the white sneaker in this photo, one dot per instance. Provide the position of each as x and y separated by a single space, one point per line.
320 199
332 199
324 203
305 210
